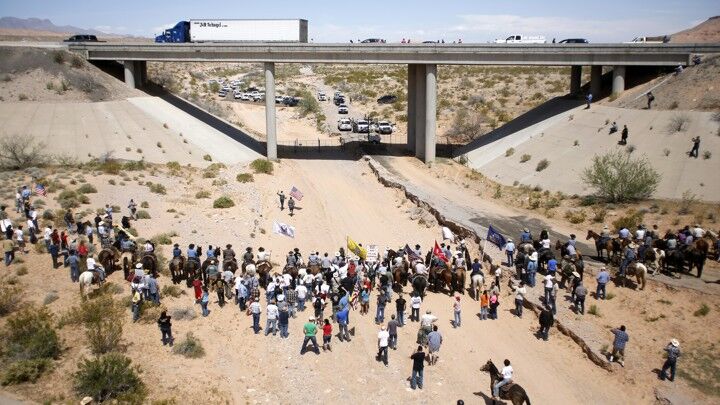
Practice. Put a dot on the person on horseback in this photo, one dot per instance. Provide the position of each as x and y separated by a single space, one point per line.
418 251
95 268
624 233
125 222
290 260
314 259
507 373
526 236
176 252
629 256
192 253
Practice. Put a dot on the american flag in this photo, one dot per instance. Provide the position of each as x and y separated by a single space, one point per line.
354 297
40 190
296 193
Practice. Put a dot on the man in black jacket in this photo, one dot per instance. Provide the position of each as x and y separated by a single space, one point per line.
546 321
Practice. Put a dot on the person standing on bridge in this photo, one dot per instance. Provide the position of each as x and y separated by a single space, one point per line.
281 195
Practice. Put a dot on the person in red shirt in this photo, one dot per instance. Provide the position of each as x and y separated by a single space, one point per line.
197 285
327 335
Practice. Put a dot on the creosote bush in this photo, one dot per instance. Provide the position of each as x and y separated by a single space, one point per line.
542 165
524 158
223 202
202 194
244 178
189 347
262 166
110 376
618 177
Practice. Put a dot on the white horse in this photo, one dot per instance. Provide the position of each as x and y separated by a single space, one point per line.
476 284
87 278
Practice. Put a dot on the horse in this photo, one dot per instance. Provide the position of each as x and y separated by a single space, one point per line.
292 270
696 255
513 392
263 269
544 256
107 258
562 247
675 259
654 259
230 264
190 270
435 277
638 270
611 246
177 266
420 283
86 279
149 262
314 269
400 273
476 284
459 281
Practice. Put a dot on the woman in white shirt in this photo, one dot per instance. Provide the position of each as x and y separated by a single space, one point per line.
507 373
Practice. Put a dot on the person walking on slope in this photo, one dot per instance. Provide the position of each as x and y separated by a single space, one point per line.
621 339
588 100
291 205
696 147
383 342
624 135
418 358
281 195
673 352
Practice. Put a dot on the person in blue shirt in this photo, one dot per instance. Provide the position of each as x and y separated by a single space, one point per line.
552 266
602 279
191 252
526 236
176 251
25 193
210 252
510 251
342 319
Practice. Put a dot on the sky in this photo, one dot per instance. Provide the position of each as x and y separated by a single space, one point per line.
393 20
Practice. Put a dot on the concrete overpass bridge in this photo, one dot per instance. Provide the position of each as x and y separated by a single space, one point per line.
421 59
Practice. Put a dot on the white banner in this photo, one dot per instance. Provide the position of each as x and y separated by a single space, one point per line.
373 253
283 229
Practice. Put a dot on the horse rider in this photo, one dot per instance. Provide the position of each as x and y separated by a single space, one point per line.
92 266
192 253
640 233
624 233
418 251
629 256
291 260
314 259
228 253
698 232
526 236
212 270
176 252
149 248
210 253
298 257
420 269
570 247
262 255
125 222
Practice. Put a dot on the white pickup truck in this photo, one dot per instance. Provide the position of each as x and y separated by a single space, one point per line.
650 40
522 39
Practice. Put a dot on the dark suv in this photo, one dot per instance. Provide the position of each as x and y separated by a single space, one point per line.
574 41
82 38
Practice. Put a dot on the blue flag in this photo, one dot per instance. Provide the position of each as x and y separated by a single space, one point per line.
495 237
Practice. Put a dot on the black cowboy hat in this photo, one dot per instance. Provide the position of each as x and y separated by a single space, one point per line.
228 246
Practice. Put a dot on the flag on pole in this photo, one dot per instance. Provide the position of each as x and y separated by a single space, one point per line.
495 237
412 256
437 252
354 298
40 190
357 249
283 229
297 194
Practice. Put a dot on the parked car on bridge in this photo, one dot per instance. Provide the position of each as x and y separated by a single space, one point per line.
574 41
342 109
82 38
384 128
373 41
387 99
344 124
522 39
290 101
663 39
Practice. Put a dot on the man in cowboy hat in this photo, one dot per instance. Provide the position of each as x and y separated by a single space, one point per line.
526 236
628 257
580 293
510 251
673 352
532 268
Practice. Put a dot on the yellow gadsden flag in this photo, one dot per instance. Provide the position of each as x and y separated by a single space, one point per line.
357 249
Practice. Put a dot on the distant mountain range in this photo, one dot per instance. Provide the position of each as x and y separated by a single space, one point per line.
38 24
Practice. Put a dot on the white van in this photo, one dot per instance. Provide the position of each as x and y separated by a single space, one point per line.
522 39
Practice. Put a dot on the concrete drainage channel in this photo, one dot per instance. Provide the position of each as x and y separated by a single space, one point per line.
388 180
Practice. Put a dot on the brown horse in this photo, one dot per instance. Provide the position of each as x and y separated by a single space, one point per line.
314 269
513 392
108 257
190 270
400 273
612 246
263 269
177 265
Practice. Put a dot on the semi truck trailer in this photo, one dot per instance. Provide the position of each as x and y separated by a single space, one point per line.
217 30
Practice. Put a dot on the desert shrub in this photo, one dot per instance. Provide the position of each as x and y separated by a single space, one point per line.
687 200
22 151
110 376
174 166
87 189
30 334
599 215
509 152
542 165
144 204
9 299
707 155
21 271
184 313
524 158
171 291
617 177
48 215
308 105
467 124
50 297
150 312
22 97
157 188
207 158
223 202
142 214
189 347
594 310
110 166
678 123
162 239
25 371
262 166
209 174
219 182
630 220
576 217
244 177
135 165
76 62
703 310
202 194
112 182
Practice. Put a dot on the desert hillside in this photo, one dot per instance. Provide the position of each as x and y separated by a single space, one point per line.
707 31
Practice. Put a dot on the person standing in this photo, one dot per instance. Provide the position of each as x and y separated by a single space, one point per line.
380 313
624 135
510 252
272 315
546 322
255 310
153 290
520 292
434 341
456 311
494 303
673 352
549 278
281 196
327 335
532 269
197 288
418 358
498 274
291 205
650 99
415 302
484 305
165 328
602 279
580 293
507 373
342 317
74 262
284 322
310 330
133 209
9 250
204 300
588 100
400 308
383 342
621 339
392 327
136 303
696 147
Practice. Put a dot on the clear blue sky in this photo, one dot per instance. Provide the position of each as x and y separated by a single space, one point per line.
342 20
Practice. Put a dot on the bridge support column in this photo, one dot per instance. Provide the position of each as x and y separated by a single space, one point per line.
430 112
130 73
411 106
618 83
575 79
270 127
140 73
419 116
595 81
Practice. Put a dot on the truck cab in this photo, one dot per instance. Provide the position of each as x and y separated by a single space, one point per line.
179 33
522 39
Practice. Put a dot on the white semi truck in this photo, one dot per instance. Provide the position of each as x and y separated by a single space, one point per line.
522 39
228 30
